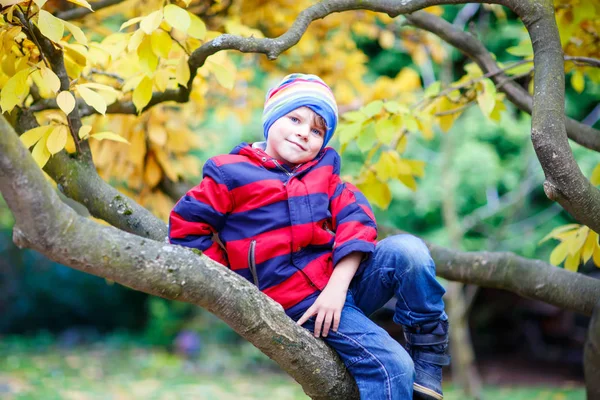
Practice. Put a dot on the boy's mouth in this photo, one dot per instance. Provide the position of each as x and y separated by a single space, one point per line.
297 144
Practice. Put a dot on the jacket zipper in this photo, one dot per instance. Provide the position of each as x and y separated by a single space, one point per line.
288 173
252 262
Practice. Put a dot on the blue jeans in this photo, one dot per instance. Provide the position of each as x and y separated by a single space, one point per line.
401 266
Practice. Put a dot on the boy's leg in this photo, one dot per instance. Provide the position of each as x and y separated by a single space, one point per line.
402 266
381 367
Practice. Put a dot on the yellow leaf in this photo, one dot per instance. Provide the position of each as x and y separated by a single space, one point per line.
50 79
70 146
130 22
135 40
577 81
417 167
40 153
486 98
572 262
559 253
148 60
183 72
152 173
402 144
409 181
349 132
410 123
524 49
132 83
590 244
161 79
595 178
596 256
498 108
425 128
386 39
151 22
408 80
161 43
177 17
82 3
225 77
15 90
377 193
108 93
558 230
165 163
157 134
92 99
576 242
57 139
84 131
197 28
66 101
142 94
109 136
40 3
386 165
50 26
394 107
76 31
32 136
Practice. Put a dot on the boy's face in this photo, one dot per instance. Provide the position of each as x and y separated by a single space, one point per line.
296 137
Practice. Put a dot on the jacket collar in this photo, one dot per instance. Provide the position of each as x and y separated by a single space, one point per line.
256 153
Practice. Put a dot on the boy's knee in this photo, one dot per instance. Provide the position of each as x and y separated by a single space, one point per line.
398 363
408 251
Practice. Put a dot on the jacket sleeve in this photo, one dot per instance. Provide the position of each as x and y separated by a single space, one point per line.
353 220
200 215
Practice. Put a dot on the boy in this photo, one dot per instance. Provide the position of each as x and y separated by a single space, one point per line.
308 240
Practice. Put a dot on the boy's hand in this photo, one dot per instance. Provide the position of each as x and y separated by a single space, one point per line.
328 306
328 309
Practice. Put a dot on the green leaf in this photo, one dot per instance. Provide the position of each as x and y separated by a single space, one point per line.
386 129
523 49
354 116
366 140
373 108
394 107
433 89
349 132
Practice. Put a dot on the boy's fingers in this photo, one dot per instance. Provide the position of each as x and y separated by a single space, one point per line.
327 324
336 320
309 313
319 324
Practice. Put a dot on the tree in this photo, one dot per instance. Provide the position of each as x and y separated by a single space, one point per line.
172 52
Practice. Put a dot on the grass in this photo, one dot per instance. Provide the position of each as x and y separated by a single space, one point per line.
124 371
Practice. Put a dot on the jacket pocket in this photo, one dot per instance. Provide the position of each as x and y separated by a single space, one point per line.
252 262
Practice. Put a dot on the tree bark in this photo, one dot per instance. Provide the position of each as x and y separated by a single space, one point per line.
591 356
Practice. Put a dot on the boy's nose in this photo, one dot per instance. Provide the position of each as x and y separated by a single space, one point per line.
302 131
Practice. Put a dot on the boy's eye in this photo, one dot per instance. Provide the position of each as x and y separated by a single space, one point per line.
317 132
294 119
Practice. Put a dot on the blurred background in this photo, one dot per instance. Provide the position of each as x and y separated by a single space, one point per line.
66 334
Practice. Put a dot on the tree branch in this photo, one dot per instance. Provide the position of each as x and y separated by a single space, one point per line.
470 46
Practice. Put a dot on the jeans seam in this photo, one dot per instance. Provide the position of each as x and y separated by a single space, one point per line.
387 376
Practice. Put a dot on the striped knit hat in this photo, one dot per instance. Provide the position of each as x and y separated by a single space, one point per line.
298 90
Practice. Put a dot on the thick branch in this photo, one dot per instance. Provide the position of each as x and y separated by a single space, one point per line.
591 356
44 223
528 278
469 45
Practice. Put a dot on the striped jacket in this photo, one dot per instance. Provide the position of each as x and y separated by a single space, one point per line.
282 228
